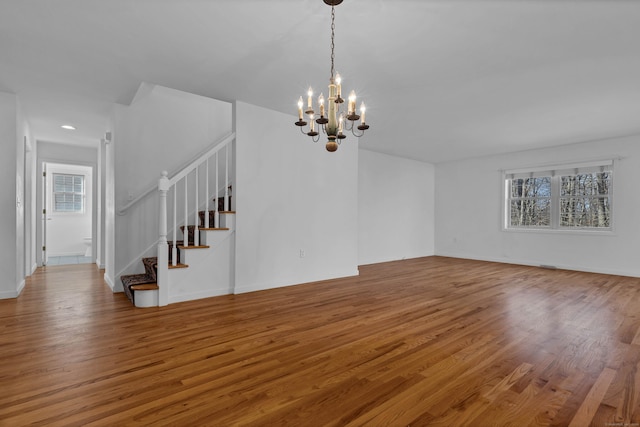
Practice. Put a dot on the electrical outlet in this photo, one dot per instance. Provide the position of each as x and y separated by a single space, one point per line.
302 254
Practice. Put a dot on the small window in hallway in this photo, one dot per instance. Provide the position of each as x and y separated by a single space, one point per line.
68 193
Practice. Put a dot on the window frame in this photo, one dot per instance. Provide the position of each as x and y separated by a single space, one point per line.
556 172
82 194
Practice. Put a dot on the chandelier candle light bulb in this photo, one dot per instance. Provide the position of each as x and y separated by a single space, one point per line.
321 103
352 102
309 101
333 125
300 104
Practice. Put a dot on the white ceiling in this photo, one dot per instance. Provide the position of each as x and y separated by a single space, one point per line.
442 79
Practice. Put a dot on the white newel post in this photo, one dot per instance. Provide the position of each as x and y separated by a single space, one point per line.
163 248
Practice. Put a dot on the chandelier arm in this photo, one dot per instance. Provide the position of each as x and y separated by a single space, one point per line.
349 125
315 138
302 130
355 134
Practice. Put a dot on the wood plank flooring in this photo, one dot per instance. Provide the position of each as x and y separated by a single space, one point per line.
430 341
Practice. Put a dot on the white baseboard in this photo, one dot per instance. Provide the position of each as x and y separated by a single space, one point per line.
20 287
51 255
109 282
13 294
198 295
292 282
380 261
8 294
34 267
610 271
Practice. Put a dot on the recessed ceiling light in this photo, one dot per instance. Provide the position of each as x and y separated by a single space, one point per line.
69 127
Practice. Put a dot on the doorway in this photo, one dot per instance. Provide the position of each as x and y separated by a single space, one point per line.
67 216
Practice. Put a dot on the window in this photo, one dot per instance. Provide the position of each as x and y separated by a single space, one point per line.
68 193
530 204
570 197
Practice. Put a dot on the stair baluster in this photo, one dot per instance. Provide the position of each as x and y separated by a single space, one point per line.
226 180
196 234
216 215
185 233
174 246
206 192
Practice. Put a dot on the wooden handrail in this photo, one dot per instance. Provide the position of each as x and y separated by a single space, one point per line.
179 175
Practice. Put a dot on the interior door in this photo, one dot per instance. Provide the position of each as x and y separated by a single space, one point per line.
45 191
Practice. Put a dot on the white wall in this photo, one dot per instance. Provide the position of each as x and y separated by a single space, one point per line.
292 195
30 213
163 129
22 133
469 202
9 282
66 231
110 208
395 208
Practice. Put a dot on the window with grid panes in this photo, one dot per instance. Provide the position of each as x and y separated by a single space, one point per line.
569 197
68 193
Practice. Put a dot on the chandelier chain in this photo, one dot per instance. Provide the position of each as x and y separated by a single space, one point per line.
333 29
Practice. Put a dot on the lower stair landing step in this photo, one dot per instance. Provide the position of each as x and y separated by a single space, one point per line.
145 287
131 280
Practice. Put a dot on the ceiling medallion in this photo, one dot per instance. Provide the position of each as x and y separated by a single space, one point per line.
336 120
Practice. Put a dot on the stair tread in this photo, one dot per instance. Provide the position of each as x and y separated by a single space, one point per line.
227 212
144 287
214 229
194 247
178 266
136 279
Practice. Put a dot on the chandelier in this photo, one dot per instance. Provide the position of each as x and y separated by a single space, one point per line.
336 120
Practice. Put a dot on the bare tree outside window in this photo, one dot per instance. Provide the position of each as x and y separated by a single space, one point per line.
584 200
531 202
570 199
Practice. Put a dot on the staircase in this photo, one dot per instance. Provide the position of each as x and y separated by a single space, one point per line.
145 284
201 264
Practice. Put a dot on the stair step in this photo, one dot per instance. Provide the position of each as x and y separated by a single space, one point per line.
145 287
131 280
148 281
178 266
151 266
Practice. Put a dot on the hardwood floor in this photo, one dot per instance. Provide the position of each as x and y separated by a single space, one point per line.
430 341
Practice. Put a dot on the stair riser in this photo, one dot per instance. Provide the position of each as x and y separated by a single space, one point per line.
146 299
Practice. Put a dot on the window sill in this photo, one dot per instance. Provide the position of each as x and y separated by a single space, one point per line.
560 231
